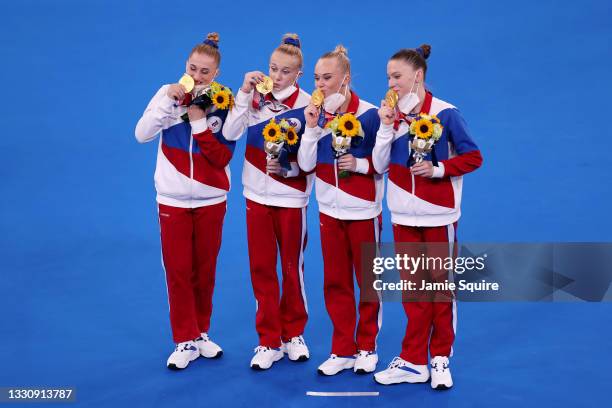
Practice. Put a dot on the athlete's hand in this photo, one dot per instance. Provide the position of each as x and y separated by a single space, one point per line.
250 80
386 114
273 166
176 92
424 169
195 113
311 113
347 162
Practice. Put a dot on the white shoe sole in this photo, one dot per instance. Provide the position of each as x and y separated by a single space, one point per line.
173 366
346 366
211 355
441 387
399 380
300 358
364 370
260 367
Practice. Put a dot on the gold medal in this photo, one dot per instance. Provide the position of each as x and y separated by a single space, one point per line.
266 86
391 98
187 82
317 98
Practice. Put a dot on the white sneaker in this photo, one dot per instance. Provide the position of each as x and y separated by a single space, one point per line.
207 347
401 371
296 349
264 357
366 362
334 364
183 354
440 373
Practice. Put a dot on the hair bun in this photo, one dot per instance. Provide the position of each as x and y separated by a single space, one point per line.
340 49
212 39
292 39
424 50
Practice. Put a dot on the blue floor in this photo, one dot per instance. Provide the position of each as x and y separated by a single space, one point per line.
82 291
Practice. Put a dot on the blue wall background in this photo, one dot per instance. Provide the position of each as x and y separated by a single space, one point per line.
82 294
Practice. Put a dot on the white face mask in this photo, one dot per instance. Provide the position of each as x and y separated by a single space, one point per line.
284 93
334 101
407 102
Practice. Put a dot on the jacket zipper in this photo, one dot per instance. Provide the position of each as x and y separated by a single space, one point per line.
266 182
336 178
411 175
191 168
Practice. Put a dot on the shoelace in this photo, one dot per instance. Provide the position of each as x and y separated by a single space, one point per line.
363 353
396 362
439 366
298 341
261 348
184 346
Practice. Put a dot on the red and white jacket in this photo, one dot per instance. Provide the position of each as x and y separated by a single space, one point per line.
358 196
192 158
292 190
421 201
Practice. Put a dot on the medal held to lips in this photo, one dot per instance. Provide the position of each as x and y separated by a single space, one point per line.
266 86
317 98
391 98
187 82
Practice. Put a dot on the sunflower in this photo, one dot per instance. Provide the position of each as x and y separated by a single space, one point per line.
272 132
292 137
422 128
348 125
221 99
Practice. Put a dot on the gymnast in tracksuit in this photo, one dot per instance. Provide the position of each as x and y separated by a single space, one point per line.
350 213
276 193
192 180
424 200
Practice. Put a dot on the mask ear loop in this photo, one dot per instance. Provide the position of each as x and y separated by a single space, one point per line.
416 91
295 81
345 89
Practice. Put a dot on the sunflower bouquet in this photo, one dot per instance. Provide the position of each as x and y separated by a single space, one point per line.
346 132
426 130
215 95
276 137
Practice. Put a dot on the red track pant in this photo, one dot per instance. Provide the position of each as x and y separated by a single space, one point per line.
341 245
190 239
430 324
272 229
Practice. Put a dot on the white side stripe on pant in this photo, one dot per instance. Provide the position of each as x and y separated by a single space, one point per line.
301 261
451 245
380 303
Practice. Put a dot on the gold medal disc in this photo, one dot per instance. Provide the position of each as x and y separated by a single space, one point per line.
266 86
391 98
317 98
187 82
